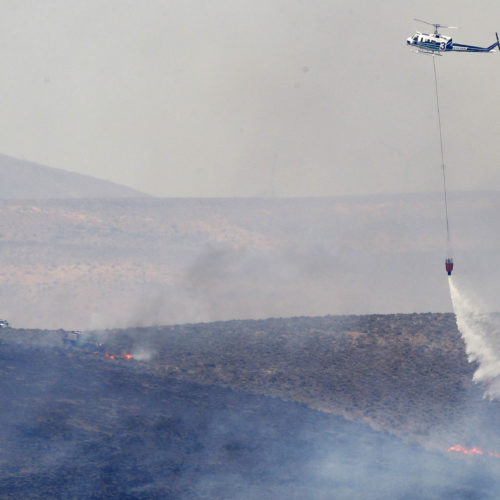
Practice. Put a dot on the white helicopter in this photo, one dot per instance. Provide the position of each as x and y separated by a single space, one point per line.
436 43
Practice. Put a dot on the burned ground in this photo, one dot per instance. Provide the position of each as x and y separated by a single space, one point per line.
407 373
197 421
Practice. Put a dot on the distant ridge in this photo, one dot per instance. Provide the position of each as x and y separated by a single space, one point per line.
21 179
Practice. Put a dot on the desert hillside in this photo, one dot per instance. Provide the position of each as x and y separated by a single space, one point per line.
86 263
26 180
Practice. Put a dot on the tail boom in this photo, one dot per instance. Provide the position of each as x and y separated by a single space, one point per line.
458 47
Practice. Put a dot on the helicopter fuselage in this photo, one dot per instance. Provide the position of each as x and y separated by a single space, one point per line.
430 42
436 42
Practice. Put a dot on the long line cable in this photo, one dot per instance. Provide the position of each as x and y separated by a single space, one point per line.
443 167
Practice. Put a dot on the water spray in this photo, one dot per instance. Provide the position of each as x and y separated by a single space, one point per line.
480 331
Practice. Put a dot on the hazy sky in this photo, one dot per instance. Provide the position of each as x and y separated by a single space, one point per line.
238 98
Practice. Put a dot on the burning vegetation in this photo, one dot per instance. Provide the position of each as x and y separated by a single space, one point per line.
118 356
101 349
474 451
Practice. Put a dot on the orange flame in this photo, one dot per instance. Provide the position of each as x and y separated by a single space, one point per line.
117 356
473 451
466 451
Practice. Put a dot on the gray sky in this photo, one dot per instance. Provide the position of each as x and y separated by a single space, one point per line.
233 98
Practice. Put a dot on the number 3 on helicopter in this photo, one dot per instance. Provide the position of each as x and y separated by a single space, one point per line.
436 43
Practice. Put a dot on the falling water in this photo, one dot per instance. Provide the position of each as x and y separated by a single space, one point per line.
480 331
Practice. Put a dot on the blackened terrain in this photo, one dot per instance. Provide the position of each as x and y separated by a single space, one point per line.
406 373
194 418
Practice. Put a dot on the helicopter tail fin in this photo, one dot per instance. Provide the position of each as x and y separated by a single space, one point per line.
494 45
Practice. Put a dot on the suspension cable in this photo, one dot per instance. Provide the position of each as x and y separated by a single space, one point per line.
443 167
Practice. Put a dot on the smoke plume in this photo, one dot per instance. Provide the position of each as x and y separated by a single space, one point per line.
481 333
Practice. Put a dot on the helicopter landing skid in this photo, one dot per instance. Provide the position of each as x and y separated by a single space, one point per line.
428 52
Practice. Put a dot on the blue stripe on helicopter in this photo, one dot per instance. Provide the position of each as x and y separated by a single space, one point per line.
457 47
471 48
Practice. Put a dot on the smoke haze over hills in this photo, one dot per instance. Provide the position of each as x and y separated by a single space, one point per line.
262 99
106 263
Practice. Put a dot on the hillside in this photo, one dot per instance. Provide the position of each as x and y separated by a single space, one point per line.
26 180
405 373
190 414
96 263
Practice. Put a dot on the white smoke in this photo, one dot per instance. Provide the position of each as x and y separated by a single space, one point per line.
481 333
142 354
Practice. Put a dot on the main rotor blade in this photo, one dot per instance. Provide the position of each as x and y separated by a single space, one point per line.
422 21
436 25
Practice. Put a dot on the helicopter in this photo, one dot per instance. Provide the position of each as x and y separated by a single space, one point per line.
436 43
